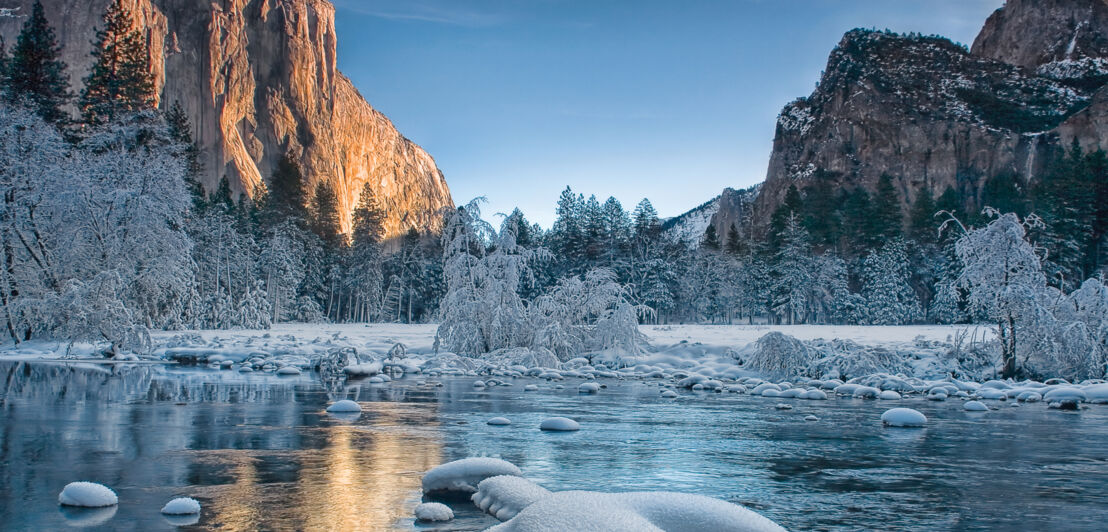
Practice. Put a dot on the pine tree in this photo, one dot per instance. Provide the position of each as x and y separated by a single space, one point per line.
711 239
568 233
285 200
35 73
369 219
645 219
858 226
793 205
120 81
888 217
180 130
222 197
325 217
735 245
821 216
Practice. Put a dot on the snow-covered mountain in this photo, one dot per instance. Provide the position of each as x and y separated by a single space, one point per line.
934 114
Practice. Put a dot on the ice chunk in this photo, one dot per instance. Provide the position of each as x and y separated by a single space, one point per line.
505 496
463 476
433 512
344 406
888 395
975 406
181 506
903 417
559 424
588 387
499 421
87 495
584 511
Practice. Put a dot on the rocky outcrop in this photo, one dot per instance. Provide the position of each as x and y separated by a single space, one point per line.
731 207
933 114
1033 33
258 79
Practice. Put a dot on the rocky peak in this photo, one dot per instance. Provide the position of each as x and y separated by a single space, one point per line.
258 79
1034 33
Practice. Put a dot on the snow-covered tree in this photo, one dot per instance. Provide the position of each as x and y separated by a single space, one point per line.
886 286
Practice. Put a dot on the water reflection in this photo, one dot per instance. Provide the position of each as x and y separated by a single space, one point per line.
259 454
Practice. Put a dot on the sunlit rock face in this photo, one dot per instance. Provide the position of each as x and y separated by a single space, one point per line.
258 78
934 114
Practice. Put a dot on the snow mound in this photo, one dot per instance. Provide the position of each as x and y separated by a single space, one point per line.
903 417
975 406
344 406
1097 393
181 506
463 476
1065 394
560 424
365 369
888 395
87 495
588 387
433 511
584 511
499 421
504 497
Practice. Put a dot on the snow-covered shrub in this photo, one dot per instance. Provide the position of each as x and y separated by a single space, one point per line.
483 311
845 359
97 224
779 355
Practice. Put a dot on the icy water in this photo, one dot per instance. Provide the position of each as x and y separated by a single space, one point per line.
260 453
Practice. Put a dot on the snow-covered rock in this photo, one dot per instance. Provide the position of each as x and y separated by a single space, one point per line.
181 506
1064 394
583 511
815 395
289 371
1097 393
87 495
499 421
669 394
364 369
588 387
810 417
559 424
975 406
463 476
505 496
888 395
344 406
429 512
531 388
903 417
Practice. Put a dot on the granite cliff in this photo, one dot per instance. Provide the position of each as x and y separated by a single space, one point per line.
258 78
935 114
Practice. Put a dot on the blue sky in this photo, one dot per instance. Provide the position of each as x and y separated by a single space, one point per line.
669 100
